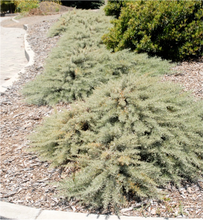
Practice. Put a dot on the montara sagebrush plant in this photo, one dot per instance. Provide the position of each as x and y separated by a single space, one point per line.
130 137
80 62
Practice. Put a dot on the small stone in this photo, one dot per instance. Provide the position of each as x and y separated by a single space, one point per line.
201 73
127 209
153 211
189 190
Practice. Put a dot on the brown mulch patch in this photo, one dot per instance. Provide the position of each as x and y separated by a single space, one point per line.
189 75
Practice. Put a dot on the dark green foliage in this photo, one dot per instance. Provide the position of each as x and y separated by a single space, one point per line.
7 5
83 4
169 29
114 7
129 137
80 62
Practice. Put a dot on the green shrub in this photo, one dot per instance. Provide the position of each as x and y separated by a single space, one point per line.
170 29
114 7
80 62
130 137
26 5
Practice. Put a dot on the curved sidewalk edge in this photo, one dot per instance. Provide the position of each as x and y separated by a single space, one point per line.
19 212
29 54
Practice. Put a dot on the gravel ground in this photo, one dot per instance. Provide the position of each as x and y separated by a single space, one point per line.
28 181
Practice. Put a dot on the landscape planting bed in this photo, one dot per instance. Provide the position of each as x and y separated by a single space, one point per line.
26 180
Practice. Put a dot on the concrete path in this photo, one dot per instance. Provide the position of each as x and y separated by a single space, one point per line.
12 55
10 211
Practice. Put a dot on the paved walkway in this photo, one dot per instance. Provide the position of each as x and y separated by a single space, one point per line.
10 211
12 56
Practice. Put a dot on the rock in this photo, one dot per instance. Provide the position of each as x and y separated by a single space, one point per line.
127 209
153 211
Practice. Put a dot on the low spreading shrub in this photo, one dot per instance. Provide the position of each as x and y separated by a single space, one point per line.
130 137
169 29
80 62
96 22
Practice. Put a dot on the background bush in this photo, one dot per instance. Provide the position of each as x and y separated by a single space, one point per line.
83 4
7 5
80 62
170 29
130 137
51 1
26 5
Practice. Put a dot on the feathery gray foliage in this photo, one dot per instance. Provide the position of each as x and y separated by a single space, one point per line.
131 136
80 62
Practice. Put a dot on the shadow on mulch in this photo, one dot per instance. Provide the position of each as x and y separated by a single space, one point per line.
1 217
